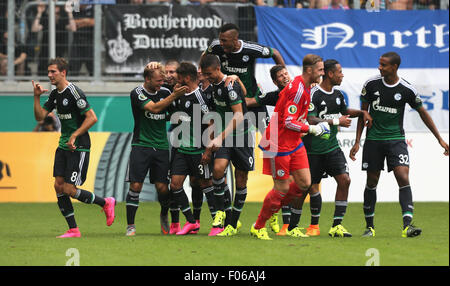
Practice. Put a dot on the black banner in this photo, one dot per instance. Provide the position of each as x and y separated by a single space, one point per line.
136 35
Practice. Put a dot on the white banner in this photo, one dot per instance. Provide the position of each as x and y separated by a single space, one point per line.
431 84
428 175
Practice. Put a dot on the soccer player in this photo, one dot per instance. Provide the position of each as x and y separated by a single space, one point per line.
284 151
281 78
149 146
239 57
232 126
171 74
72 155
187 143
325 156
385 97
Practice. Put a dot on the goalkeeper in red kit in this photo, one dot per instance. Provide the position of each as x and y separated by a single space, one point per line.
282 146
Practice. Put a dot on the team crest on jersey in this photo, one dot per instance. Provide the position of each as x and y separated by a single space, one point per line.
245 58
65 102
142 97
265 51
292 109
81 103
310 107
397 96
187 104
338 101
219 92
233 95
280 173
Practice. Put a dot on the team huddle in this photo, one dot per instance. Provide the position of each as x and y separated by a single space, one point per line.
213 110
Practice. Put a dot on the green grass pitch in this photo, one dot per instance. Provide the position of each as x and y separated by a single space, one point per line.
28 234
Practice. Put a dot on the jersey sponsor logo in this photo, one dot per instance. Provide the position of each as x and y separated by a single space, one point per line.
65 116
376 106
234 69
219 103
153 116
81 103
292 109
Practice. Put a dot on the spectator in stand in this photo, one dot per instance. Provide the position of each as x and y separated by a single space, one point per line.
20 56
426 4
64 22
335 5
82 49
401 5
292 3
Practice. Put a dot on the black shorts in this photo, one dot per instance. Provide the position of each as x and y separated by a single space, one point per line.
261 117
242 157
189 164
144 159
375 151
72 165
330 164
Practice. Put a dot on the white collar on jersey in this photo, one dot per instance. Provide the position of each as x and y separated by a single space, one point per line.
64 88
393 85
188 94
151 93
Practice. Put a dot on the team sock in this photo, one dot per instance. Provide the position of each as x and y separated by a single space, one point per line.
271 205
286 214
295 218
66 208
406 202
227 200
164 201
238 205
183 203
197 202
89 198
209 194
174 209
339 212
370 199
132 204
219 191
315 205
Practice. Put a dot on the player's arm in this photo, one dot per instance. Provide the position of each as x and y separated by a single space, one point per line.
236 120
251 102
359 130
157 107
89 120
276 56
367 119
39 112
426 118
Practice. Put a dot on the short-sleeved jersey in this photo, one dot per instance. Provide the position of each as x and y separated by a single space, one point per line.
288 122
387 107
226 96
189 110
325 105
269 98
149 128
242 62
71 105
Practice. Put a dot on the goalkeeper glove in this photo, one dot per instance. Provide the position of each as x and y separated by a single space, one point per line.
322 130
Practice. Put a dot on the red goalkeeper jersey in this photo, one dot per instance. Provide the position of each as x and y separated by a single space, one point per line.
288 122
